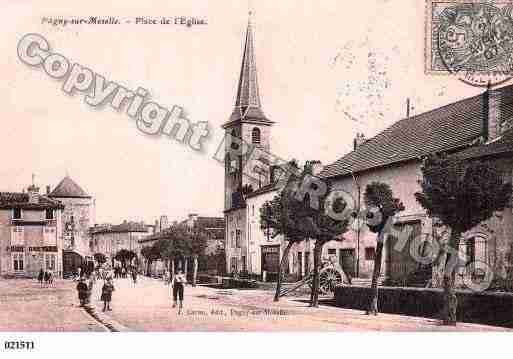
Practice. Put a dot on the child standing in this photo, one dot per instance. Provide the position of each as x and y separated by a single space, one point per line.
107 290
82 291
178 284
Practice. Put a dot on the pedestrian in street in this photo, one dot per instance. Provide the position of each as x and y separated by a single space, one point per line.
46 277
49 277
82 289
107 290
134 277
178 284
167 277
41 277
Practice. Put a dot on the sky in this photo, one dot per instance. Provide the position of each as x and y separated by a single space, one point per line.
327 70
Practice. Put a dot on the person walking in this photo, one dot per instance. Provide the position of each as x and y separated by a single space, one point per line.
134 276
82 290
41 277
50 277
178 284
107 290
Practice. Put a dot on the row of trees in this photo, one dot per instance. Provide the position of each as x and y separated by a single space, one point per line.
175 247
123 255
461 195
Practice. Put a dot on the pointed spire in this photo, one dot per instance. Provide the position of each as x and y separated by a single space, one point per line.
247 102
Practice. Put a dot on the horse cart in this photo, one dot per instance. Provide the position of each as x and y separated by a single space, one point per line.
330 275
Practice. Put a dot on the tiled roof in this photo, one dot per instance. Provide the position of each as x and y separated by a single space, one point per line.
10 200
502 145
67 188
267 188
121 228
446 128
209 222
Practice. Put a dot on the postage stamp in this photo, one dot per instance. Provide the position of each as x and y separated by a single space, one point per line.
472 40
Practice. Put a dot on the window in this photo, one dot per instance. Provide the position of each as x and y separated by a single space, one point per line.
18 260
370 253
49 213
16 213
255 136
17 236
233 264
253 210
232 237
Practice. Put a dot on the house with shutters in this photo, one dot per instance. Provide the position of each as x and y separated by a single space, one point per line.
30 227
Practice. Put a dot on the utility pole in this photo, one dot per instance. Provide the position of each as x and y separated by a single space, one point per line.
357 271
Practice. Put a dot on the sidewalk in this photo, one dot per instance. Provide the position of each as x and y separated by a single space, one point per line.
25 306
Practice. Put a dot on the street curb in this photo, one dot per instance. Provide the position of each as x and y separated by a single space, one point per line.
105 320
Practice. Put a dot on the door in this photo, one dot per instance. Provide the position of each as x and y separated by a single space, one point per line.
346 260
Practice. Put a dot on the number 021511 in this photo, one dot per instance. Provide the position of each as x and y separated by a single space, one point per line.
19 345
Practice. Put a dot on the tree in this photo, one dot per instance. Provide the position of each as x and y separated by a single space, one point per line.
124 255
100 258
296 216
278 217
461 195
382 205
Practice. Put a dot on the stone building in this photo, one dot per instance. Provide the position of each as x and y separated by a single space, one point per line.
77 217
30 227
110 239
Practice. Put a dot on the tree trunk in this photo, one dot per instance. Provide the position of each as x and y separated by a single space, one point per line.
450 299
314 296
280 271
195 271
172 268
185 268
373 305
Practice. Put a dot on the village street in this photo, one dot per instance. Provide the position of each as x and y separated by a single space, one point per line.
147 307
24 306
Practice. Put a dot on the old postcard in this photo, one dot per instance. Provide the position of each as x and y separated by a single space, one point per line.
255 166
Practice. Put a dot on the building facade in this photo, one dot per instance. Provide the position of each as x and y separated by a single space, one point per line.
77 217
465 129
110 239
30 227
393 156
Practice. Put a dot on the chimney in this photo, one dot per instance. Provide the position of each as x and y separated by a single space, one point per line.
358 141
48 190
316 167
492 125
33 193
156 226
164 223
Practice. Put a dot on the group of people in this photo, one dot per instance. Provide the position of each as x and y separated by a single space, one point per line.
85 287
86 283
45 277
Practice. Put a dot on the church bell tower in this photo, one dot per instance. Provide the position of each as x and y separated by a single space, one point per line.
249 124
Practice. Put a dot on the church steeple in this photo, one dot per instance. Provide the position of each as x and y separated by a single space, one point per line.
247 104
